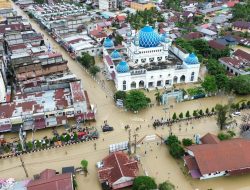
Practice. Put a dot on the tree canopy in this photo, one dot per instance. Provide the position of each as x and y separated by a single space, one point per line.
86 60
241 84
144 183
176 150
141 18
209 84
242 11
167 185
120 95
136 100
222 111
94 70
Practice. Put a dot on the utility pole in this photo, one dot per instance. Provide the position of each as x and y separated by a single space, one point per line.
129 141
135 135
24 168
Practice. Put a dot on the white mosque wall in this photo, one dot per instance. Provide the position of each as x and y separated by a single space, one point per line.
147 55
179 53
156 78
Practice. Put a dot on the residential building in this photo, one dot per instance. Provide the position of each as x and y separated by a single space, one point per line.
108 4
48 179
141 6
118 170
238 63
215 158
241 26
45 106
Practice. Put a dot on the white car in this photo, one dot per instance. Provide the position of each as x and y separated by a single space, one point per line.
99 165
237 113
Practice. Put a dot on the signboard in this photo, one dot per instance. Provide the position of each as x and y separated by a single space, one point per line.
118 146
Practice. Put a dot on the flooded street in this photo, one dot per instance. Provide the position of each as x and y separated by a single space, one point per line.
157 163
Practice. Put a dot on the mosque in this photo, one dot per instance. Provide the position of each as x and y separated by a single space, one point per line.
145 60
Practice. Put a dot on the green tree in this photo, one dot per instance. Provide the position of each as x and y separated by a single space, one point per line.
187 142
241 11
212 110
187 114
174 116
209 84
167 185
172 139
118 39
176 150
181 115
222 82
75 137
243 105
201 113
120 95
84 164
207 111
195 113
39 1
86 60
29 146
222 112
144 183
215 68
158 97
241 84
94 69
67 138
136 100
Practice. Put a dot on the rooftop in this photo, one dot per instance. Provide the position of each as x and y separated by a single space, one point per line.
50 181
228 155
116 166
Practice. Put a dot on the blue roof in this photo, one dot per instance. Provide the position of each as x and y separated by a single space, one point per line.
122 67
108 43
192 59
115 54
164 37
148 37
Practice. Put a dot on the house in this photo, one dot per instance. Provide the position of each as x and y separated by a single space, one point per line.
193 35
210 34
241 26
118 170
215 158
141 6
216 45
238 63
49 180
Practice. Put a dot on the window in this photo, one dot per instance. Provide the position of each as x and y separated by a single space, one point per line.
143 60
151 59
192 76
124 85
159 58
136 61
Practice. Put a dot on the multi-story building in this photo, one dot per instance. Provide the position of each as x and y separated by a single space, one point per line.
46 108
108 4
145 61
141 6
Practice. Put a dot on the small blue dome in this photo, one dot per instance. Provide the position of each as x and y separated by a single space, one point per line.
148 37
122 67
192 59
164 38
108 43
115 54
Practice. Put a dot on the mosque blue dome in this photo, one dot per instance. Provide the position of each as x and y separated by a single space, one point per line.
122 67
115 54
108 43
192 59
148 37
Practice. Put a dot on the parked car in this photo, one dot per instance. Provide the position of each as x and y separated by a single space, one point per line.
237 113
107 128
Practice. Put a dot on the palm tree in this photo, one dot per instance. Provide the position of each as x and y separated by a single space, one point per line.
158 97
